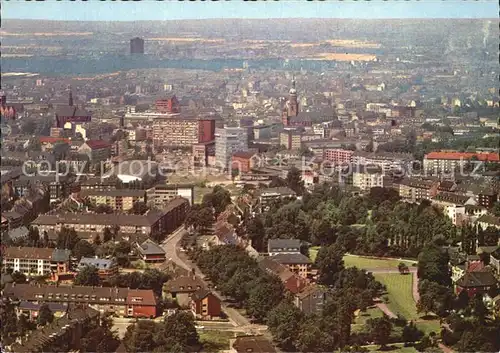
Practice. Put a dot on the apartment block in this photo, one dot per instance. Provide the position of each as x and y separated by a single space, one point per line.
123 302
160 195
338 156
37 261
228 141
174 130
119 199
156 224
446 162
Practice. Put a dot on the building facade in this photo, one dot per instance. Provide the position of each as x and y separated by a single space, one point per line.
37 261
228 141
118 200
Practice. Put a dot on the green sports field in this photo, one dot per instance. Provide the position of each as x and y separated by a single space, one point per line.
399 292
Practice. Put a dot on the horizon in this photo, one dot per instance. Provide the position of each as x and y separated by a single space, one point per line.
97 11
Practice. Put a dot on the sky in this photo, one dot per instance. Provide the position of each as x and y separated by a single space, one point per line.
96 10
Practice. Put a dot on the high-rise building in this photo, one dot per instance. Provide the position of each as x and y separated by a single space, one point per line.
174 130
229 140
137 46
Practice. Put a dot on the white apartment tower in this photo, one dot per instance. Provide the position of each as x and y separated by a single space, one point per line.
229 140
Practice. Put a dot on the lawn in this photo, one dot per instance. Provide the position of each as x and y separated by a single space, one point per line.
429 326
313 252
369 263
399 292
393 348
199 192
370 313
215 341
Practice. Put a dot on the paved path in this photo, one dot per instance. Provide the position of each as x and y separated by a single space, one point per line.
172 249
385 309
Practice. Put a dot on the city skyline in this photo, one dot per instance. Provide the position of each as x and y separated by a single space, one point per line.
166 10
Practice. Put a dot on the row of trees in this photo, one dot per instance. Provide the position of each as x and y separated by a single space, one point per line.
149 279
238 276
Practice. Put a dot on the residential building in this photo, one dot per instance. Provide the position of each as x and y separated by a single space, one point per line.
229 140
297 263
415 189
453 205
385 160
174 130
168 104
123 302
118 200
58 185
291 139
365 177
159 195
476 282
495 260
64 334
283 246
446 162
150 252
267 196
291 281
244 162
311 300
156 224
106 268
96 150
31 309
37 261
181 288
338 156
205 305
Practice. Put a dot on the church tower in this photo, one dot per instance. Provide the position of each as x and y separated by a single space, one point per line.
70 97
293 103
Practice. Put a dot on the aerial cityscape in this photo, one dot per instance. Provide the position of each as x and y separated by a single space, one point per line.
250 177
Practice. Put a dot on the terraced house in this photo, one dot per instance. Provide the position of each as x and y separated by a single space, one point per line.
154 223
123 302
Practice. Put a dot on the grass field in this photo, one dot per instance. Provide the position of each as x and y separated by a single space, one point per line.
368 263
215 341
399 292
370 313
393 348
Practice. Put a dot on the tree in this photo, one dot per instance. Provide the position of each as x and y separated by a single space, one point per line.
496 209
139 207
403 268
434 297
88 276
256 232
83 249
24 325
313 338
100 338
18 277
411 333
140 337
200 218
329 262
67 238
266 292
104 209
8 320
284 323
219 199
97 240
178 330
380 330
107 235
294 180
433 265
45 315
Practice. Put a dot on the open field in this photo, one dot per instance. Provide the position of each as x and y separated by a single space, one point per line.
393 348
353 43
199 192
369 263
363 316
343 57
215 341
399 292
186 39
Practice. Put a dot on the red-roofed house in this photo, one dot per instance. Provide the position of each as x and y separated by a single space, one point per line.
96 150
141 303
449 161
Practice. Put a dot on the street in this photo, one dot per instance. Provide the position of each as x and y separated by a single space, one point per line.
171 247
